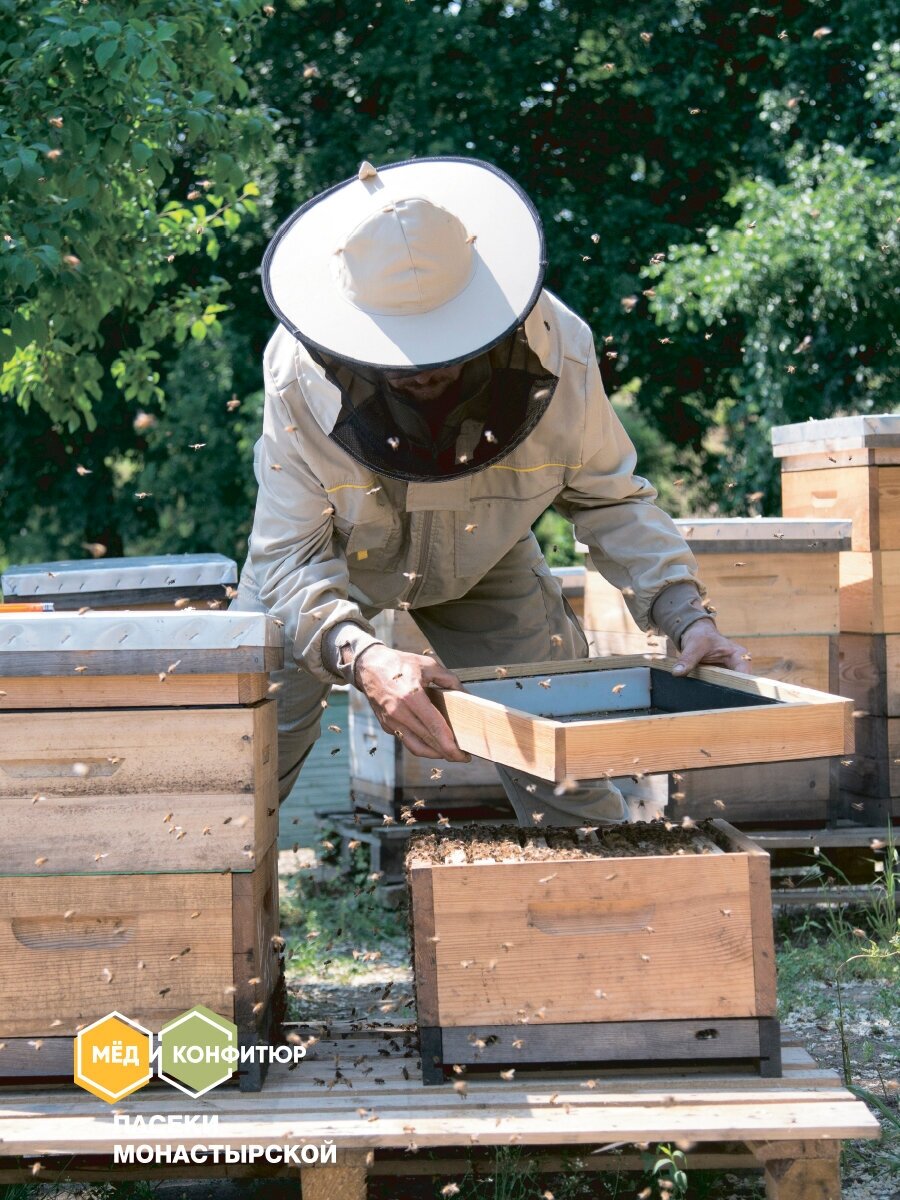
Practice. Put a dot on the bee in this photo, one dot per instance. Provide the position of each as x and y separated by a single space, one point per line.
334 729
196 445
394 443
619 688
508 1075
470 528
545 683
436 773
547 878
83 470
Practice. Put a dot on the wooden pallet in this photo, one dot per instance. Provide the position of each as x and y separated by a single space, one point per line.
791 1127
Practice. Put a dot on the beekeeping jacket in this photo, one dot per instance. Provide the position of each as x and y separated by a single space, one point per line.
363 505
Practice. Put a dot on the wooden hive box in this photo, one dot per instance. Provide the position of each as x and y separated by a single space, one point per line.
156 581
849 467
872 440
566 947
139 801
590 718
384 776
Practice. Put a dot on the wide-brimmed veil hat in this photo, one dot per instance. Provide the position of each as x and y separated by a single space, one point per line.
420 264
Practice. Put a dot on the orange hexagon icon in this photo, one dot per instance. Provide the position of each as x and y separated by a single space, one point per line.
112 1057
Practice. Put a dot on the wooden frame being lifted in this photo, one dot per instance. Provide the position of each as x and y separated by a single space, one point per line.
629 714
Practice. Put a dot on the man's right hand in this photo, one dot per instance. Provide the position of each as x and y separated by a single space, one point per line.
394 683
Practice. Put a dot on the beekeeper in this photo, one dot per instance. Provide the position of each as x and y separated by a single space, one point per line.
426 399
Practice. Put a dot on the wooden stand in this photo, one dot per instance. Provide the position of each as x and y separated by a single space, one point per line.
383 1122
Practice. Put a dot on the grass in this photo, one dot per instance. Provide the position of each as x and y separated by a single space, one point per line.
335 926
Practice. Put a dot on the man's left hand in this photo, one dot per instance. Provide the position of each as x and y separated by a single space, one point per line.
702 643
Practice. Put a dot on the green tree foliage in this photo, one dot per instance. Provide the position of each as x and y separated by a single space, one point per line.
112 103
651 136
127 144
802 286
638 129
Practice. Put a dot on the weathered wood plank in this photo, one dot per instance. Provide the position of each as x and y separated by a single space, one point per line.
764 793
454 1123
129 691
870 591
772 593
828 456
870 672
869 497
136 751
616 946
73 949
425 967
137 833
874 768
258 957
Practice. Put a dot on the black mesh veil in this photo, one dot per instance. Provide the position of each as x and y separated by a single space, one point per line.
498 399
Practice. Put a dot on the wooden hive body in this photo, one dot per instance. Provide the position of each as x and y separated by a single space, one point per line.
849 467
139 870
594 958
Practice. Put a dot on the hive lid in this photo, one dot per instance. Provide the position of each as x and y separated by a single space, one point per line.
776 535
872 431
167 573
139 643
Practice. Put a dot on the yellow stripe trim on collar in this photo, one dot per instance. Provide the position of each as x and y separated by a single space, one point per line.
339 486
539 467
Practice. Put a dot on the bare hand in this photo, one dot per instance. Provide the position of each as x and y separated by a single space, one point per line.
702 643
394 683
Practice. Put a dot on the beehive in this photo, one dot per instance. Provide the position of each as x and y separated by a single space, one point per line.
631 945
849 467
138 793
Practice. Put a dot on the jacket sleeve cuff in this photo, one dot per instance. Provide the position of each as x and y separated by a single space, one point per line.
676 608
356 639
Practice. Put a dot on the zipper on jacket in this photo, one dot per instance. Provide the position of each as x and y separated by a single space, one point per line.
423 555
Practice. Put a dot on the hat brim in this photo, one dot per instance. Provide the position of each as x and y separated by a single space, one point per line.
301 288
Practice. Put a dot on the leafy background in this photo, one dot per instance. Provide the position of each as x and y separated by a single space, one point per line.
718 183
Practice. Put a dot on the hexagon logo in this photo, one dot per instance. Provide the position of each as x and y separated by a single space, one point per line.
197 1051
113 1057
